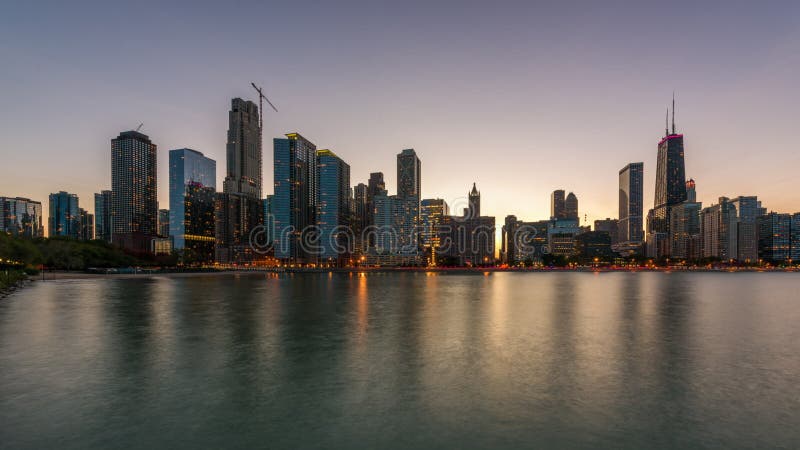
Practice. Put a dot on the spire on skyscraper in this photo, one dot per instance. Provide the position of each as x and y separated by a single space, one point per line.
673 112
666 123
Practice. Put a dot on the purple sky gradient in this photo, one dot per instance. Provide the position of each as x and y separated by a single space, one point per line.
521 98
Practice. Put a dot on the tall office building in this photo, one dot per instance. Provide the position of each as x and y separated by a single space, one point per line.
432 213
243 150
134 204
295 198
409 173
670 188
775 237
558 207
65 219
571 207
239 208
631 202
333 209
685 226
86 232
102 216
21 217
192 189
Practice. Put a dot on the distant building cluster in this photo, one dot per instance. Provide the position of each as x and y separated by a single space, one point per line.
316 217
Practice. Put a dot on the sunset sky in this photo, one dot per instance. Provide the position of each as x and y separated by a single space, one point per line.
520 97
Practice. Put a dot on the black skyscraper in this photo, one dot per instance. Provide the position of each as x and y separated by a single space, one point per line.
670 178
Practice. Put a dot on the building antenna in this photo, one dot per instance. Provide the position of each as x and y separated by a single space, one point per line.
673 112
666 123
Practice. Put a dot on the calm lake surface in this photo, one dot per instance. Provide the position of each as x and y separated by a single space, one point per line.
507 360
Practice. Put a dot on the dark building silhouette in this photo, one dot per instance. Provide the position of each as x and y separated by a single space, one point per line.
294 203
102 215
670 190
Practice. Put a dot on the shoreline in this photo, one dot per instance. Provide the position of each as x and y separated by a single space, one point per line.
72 275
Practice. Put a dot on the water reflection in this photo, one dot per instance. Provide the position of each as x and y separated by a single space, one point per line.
402 360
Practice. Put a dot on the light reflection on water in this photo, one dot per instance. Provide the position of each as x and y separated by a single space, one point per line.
397 360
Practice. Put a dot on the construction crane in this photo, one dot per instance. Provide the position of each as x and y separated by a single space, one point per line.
261 98
139 127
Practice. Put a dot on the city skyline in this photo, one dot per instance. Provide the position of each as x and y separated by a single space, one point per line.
574 133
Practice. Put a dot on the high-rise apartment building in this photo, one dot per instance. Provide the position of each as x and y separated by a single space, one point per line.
295 198
243 150
134 204
333 209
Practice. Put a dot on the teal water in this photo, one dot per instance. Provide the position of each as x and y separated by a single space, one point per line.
508 360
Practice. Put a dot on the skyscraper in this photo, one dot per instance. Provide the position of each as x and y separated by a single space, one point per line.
295 198
432 213
670 186
102 216
470 238
718 229
631 201
409 173
21 217
65 219
685 226
134 204
192 187
409 184
775 237
333 212
571 207
558 207
243 150
361 215
747 210
239 208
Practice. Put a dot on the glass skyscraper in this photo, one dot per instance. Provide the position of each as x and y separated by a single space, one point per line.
295 196
670 190
333 212
631 199
192 184
65 219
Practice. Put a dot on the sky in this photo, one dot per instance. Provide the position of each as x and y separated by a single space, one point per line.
521 98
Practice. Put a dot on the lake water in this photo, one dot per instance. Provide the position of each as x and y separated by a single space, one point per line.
505 360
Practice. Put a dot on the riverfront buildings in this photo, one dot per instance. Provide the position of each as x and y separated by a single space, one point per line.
134 204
